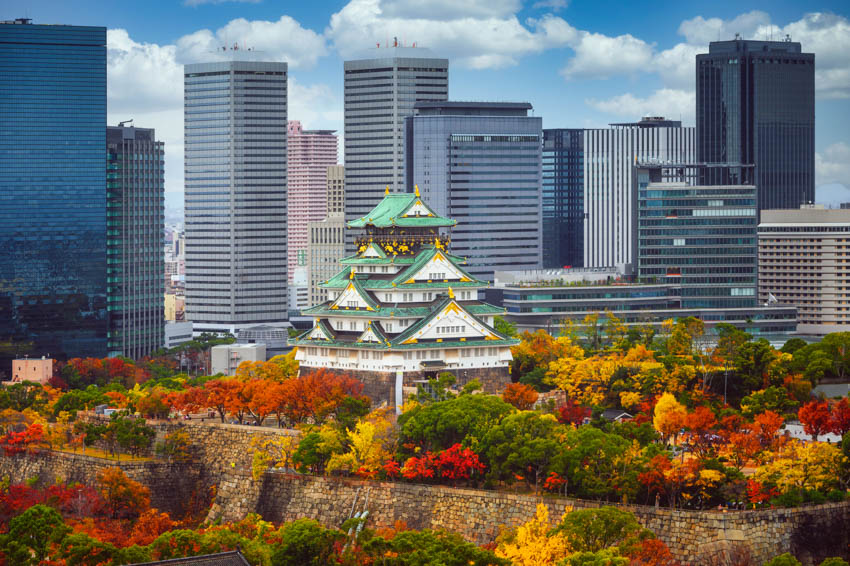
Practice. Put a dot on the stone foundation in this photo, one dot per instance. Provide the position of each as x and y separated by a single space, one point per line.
380 386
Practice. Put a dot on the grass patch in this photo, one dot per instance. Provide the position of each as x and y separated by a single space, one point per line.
97 453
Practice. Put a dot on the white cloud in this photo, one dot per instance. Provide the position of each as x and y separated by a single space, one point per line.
141 76
701 31
554 5
474 35
444 10
599 56
833 165
315 106
201 2
283 40
671 103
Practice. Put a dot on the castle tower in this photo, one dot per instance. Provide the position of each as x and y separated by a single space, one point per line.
403 309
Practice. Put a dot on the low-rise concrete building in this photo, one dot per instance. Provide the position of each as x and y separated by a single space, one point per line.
225 358
37 370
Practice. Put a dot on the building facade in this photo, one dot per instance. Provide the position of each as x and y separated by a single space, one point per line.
404 309
549 298
803 262
480 163
702 238
379 93
326 239
563 198
235 204
609 158
53 189
756 105
309 154
135 192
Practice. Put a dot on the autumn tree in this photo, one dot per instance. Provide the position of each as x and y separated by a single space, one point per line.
840 417
669 416
520 396
272 452
531 544
803 465
572 413
123 497
815 418
700 425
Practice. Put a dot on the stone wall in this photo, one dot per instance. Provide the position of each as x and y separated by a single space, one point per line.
173 486
811 533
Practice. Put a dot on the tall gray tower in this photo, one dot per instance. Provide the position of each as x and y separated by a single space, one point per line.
756 106
235 176
379 93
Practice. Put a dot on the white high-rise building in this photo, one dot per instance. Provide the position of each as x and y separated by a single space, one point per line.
235 177
609 203
379 93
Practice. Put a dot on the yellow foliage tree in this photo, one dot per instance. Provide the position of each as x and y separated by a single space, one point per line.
669 416
287 363
370 444
260 370
532 545
584 380
272 452
629 399
803 465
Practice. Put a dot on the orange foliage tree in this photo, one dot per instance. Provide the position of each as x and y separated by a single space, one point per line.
520 396
123 497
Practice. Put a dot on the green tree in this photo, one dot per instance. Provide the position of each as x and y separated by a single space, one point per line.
774 399
592 530
523 444
79 549
463 420
502 326
753 363
834 561
132 435
837 347
305 543
605 557
793 344
783 560
31 533
430 548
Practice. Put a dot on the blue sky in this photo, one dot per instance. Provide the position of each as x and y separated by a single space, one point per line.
580 63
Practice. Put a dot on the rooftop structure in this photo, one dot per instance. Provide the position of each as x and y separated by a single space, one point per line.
404 308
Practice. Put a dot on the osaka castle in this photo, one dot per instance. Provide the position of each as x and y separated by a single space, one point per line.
403 309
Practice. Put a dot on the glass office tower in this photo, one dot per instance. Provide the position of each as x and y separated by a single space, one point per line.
135 187
379 93
756 105
702 237
235 177
480 164
563 198
53 189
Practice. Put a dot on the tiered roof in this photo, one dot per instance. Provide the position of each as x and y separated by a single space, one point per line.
412 260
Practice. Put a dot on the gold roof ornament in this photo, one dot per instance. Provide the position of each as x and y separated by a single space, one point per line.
351 275
416 189
387 190
451 293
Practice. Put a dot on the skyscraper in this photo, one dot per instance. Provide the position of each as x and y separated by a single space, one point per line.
135 190
309 154
756 105
235 177
326 239
563 198
379 93
480 163
53 188
609 158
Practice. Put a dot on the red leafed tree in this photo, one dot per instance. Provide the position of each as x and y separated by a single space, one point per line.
815 417
457 462
840 418
222 395
30 440
572 413
150 525
758 493
765 426
520 396
701 423
316 395
192 400
123 496
419 468
391 469
653 479
652 552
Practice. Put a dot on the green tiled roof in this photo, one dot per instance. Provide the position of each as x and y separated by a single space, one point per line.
423 257
395 312
435 311
417 346
390 212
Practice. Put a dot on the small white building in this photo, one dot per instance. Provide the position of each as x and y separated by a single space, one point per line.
225 358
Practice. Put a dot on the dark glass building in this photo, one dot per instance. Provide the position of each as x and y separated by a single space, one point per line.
701 237
135 187
563 198
53 189
756 105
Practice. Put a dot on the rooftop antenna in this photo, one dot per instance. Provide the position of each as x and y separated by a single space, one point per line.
121 124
